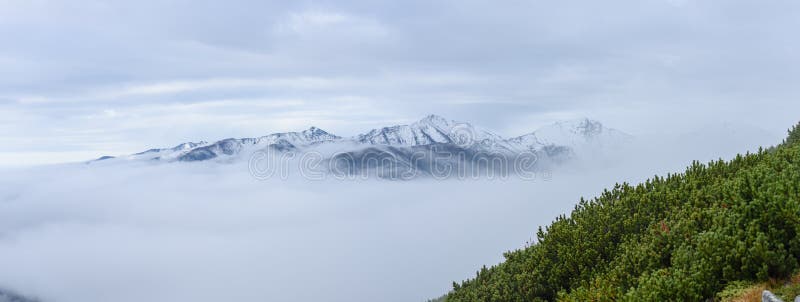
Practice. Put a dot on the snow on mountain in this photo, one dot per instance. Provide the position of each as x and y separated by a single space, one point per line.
580 132
407 145
431 129
166 153
289 141
434 129
577 134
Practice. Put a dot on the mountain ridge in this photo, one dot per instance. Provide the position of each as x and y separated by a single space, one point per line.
560 141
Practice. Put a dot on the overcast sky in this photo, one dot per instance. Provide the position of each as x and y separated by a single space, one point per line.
79 79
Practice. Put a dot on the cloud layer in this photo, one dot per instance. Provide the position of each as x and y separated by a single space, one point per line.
115 77
204 231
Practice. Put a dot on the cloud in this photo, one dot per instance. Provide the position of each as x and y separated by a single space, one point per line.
209 231
161 238
82 79
503 65
311 20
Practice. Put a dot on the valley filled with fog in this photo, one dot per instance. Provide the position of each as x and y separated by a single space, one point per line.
292 151
208 231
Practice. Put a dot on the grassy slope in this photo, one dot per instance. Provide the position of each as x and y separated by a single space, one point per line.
681 237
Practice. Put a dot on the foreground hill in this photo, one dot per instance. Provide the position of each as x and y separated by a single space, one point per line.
683 237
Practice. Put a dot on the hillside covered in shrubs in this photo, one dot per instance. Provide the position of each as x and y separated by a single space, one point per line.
679 237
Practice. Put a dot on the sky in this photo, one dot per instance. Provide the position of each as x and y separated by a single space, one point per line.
80 79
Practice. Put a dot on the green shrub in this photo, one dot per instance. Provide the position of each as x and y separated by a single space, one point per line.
681 237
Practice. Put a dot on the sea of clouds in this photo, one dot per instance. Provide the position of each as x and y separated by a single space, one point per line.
211 232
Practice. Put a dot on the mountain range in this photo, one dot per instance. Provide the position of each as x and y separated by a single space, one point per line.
404 145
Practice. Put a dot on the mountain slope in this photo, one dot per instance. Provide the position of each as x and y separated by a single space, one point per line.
289 141
682 237
435 129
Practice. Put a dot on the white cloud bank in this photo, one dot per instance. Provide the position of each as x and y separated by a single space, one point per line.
210 232
507 66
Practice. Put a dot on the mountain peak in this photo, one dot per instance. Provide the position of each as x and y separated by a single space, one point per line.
435 121
314 133
578 132
314 129
433 118
580 126
585 126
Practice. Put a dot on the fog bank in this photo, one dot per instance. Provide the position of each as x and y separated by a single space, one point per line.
211 232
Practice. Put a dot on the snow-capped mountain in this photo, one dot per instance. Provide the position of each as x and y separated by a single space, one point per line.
405 145
575 133
434 129
169 153
580 135
289 141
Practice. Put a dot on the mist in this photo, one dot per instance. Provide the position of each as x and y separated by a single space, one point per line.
211 232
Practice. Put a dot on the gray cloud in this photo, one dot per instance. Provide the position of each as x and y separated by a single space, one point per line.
205 231
114 77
